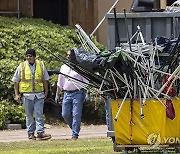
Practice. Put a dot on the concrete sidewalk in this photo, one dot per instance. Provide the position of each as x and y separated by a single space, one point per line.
57 132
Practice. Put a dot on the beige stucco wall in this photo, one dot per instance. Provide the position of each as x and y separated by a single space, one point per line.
103 8
163 4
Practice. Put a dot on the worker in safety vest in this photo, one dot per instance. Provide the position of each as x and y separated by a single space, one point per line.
31 81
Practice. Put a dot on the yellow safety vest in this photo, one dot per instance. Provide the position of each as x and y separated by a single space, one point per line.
29 82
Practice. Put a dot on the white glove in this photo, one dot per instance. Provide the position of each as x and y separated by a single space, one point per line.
57 98
87 96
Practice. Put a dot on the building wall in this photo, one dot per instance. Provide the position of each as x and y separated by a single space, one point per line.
163 4
12 7
103 8
26 8
82 12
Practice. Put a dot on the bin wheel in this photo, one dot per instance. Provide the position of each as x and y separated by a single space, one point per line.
125 151
137 150
165 151
177 150
115 148
113 139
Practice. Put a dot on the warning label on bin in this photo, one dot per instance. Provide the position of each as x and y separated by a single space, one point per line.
154 139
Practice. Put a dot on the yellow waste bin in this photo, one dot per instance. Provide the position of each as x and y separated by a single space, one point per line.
154 129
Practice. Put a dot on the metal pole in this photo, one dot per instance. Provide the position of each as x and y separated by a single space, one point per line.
118 112
18 9
126 24
116 29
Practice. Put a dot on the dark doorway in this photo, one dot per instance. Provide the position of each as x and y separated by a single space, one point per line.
54 10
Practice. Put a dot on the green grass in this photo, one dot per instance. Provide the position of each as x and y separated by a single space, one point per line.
80 146
85 146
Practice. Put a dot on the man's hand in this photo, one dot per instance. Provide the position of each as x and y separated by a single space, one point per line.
17 98
46 94
57 98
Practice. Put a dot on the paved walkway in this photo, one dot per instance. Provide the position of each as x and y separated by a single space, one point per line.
57 132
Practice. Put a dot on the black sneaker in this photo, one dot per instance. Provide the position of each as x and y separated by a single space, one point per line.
43 136
74 137
31 137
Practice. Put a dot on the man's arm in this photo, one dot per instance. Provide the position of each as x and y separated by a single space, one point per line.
45 88
45 82
58 90
16 90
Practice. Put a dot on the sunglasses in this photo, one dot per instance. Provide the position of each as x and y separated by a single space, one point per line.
28 55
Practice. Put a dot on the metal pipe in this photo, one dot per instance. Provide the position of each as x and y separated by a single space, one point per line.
116 29
121 106
18 7
127 30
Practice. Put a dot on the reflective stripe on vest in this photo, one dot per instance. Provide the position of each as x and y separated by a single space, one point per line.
29 82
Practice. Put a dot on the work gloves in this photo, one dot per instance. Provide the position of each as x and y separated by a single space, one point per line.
57 98
87 97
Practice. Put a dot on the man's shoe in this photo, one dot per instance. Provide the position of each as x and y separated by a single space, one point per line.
43 136
31 137
74 137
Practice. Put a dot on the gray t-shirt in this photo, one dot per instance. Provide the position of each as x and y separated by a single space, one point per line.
30 96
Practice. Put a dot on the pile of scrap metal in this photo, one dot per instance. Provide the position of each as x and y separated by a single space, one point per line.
137 71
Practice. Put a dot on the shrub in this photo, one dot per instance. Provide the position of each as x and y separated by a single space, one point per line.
11 112
3 114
